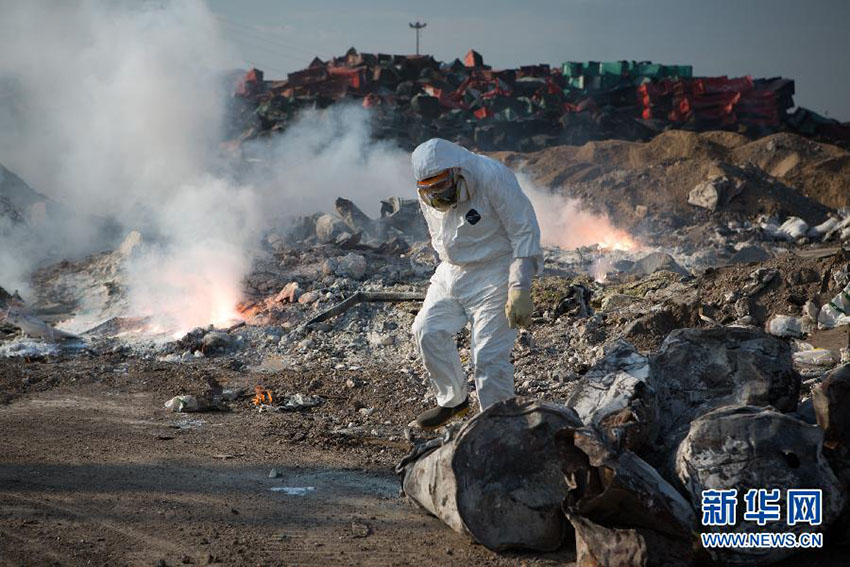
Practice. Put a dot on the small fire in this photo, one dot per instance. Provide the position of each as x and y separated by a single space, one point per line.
262 396
619 240
198 288
566 224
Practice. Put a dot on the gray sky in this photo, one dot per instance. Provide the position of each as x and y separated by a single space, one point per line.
806 40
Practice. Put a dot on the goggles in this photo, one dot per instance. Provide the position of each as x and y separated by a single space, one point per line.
439 191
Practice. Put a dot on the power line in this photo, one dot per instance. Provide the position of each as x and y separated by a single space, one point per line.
257 35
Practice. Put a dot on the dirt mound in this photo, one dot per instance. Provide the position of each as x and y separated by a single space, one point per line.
616 177
726 139
571 164
817 170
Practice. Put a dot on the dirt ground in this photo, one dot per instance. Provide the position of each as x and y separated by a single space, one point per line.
94 471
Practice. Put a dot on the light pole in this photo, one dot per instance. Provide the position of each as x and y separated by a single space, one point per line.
417 26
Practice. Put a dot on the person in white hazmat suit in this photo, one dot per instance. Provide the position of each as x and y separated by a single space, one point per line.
485 232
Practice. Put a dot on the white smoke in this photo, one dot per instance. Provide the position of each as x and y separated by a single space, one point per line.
329 154
215 225
567 224
117 101
116 110
108 109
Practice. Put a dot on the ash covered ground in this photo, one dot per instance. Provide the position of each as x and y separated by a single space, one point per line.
205 347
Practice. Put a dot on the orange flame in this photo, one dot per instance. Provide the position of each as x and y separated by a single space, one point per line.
262 396
200 286
616 239
566 224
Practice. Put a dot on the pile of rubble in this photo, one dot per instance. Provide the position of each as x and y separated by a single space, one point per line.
415 97
739 277
623 466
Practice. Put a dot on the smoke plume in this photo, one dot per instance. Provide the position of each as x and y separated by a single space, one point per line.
565 223
115 112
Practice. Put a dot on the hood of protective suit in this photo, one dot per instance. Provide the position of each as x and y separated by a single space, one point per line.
436 155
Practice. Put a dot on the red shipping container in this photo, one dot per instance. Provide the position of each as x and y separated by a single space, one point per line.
355 78
714 85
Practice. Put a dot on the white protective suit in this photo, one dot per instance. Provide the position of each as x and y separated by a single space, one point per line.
488 242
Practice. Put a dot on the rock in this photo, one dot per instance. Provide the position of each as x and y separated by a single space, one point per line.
183 404
309 297
785 326
498 478
352 383
656 262
697 370
379 339
623 511
351 266
274 473
289 293
405 216
346 240
824 228
302 228
297 402
215 340
706 195
355 219
329 227
615 397
745 447
713 192
811 310
131 243
793 228
831 401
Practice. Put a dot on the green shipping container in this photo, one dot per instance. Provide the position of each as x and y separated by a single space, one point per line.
572 69
681 71
591 68
649 70
612 68
576 82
